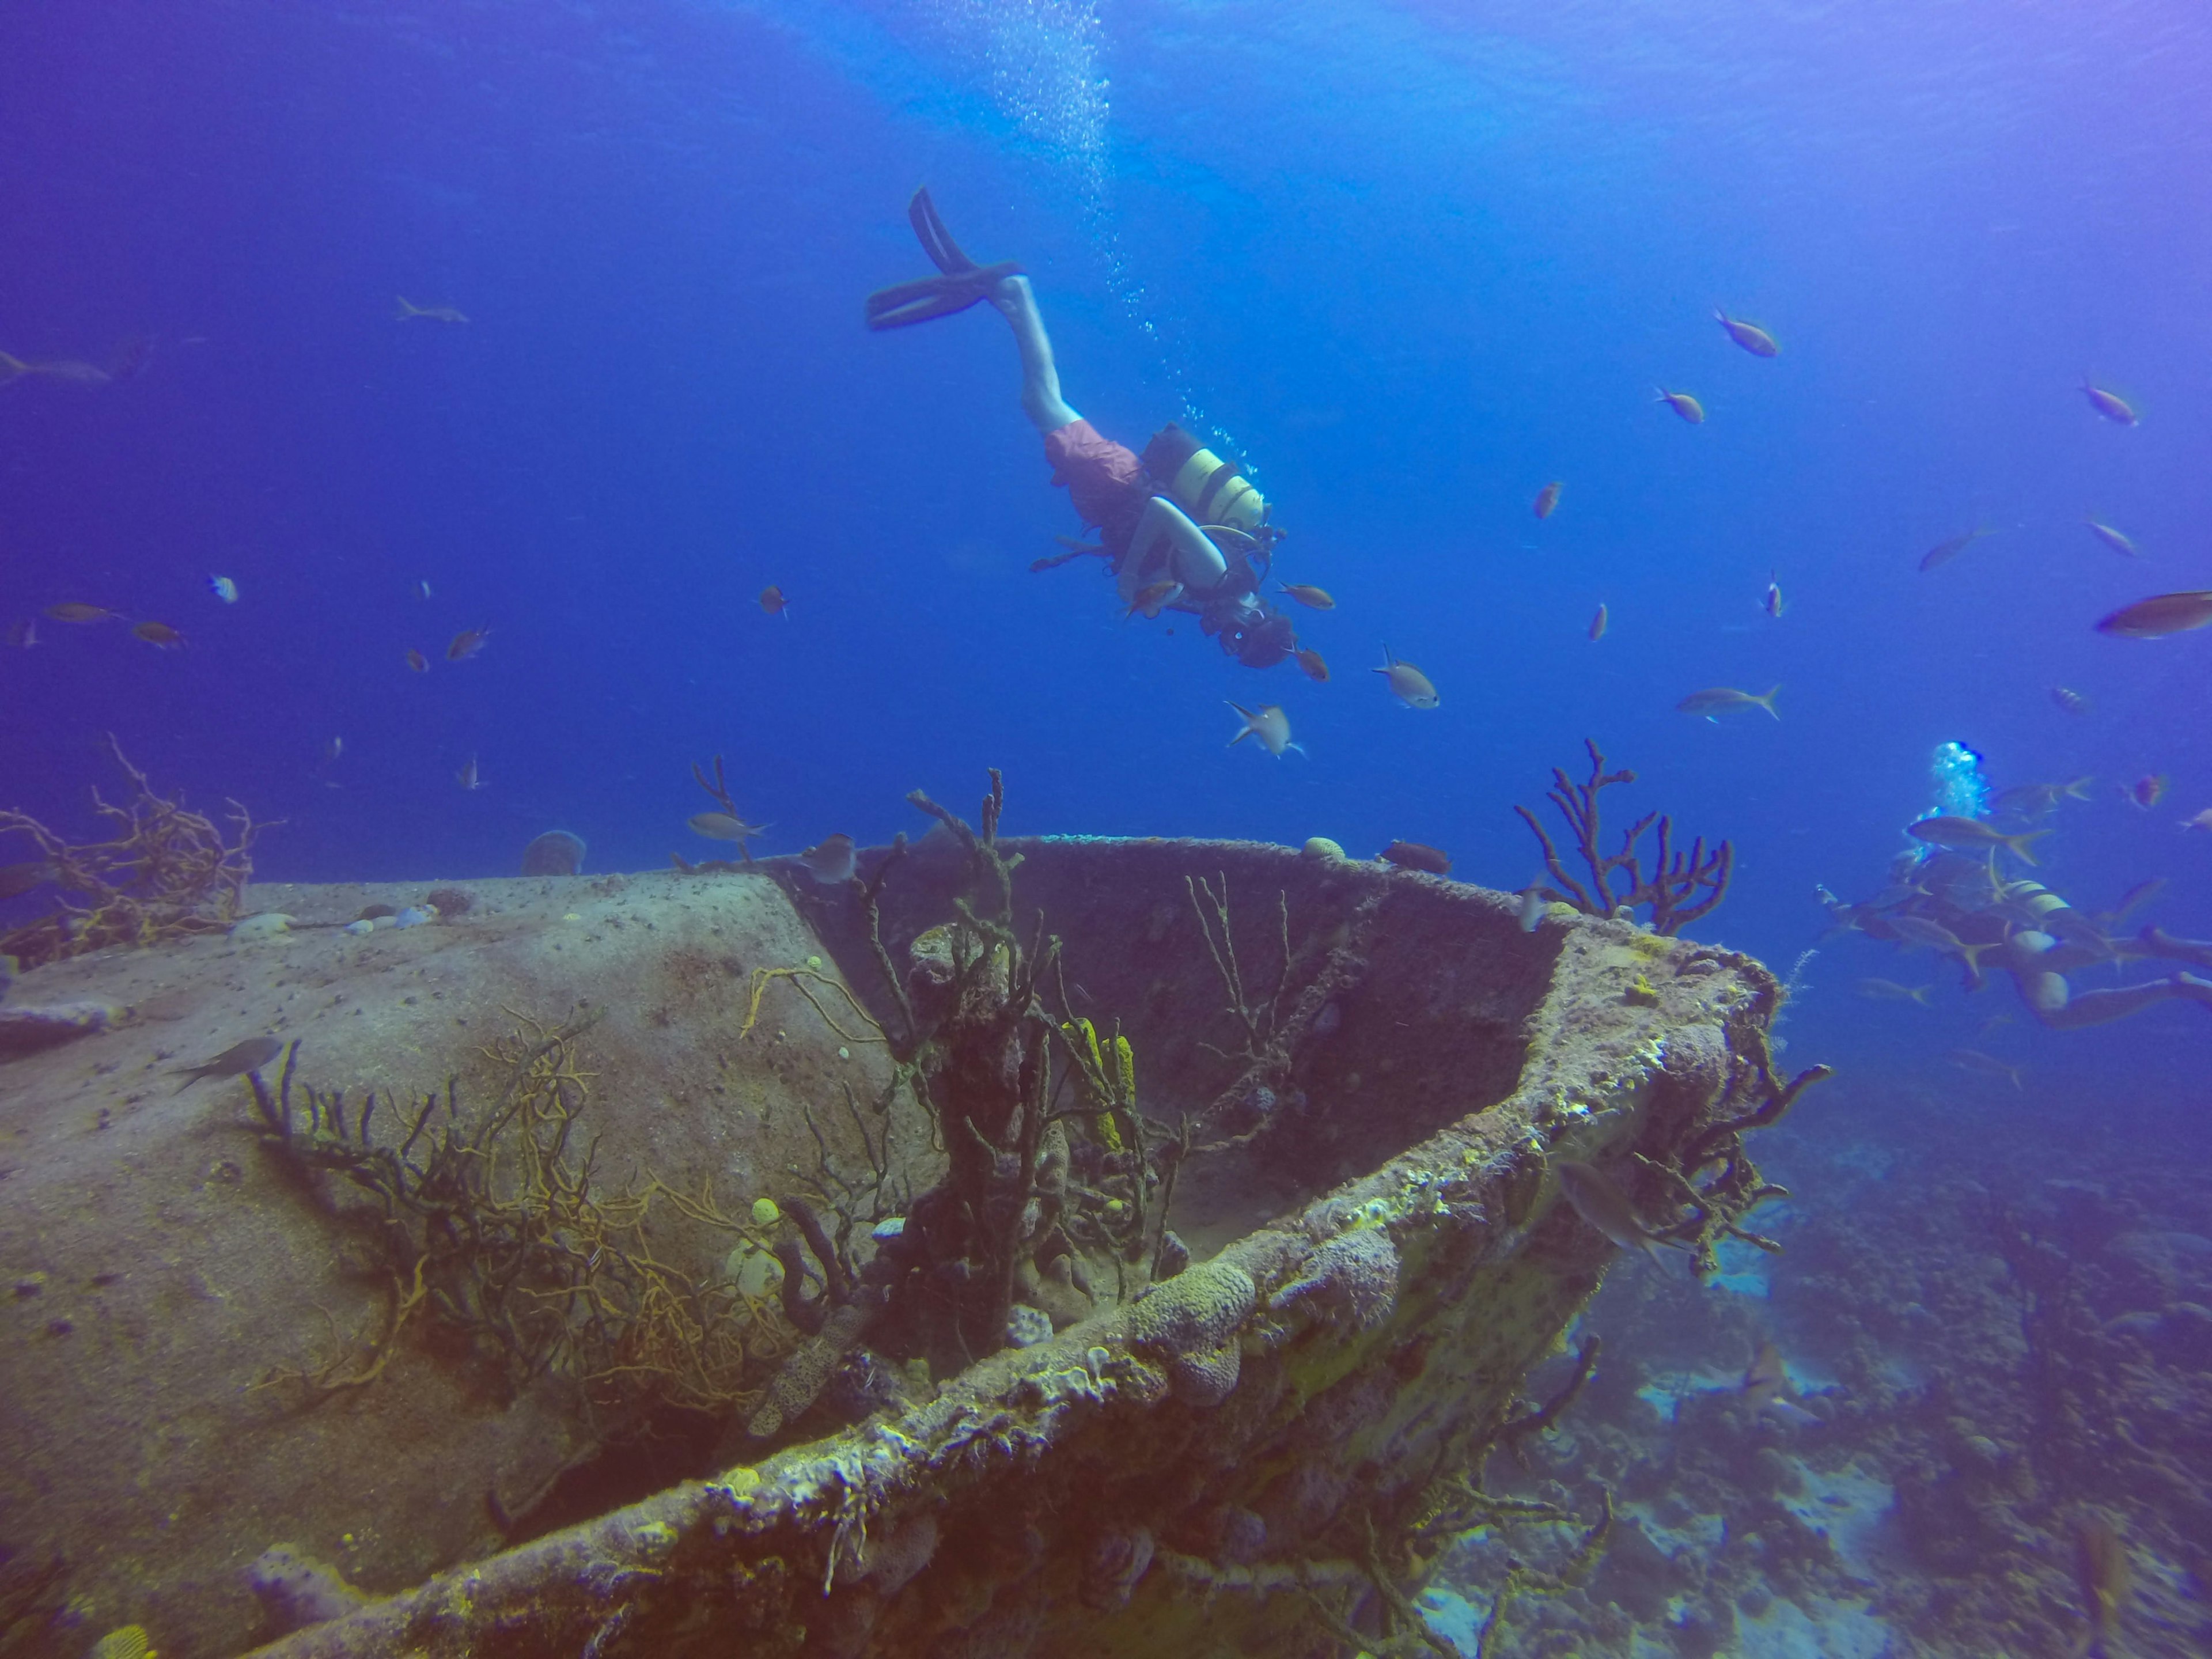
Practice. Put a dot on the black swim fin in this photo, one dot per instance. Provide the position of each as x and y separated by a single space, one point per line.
962 284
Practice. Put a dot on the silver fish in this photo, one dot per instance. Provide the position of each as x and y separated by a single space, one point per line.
1766 1387
1605 1207
831 862
236 1060
1533 906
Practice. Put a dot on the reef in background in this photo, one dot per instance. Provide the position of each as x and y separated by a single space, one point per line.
1995 1348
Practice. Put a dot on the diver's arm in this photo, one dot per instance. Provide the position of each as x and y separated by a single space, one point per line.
1040 400
1164 535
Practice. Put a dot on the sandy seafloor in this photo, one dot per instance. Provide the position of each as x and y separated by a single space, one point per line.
1993 1347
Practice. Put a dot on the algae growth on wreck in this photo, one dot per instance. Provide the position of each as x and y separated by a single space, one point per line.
1649 1105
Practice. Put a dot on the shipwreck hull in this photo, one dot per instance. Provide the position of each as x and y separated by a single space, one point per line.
1379 1257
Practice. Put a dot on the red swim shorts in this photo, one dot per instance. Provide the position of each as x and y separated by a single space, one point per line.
1104 479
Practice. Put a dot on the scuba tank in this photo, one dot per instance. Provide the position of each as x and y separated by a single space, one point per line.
1201 483
2047 912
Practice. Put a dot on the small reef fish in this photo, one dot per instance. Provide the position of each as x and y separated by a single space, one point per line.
470 778
1414 855
1310 662
1684 405
1944 552
1533 905
2037 800
1766 1387
423 588
1971 835
1597 623
466 644
1269 724
1151 601
1314 598
409 310
720 826
236 1060
2100 1568
1889 990
2070 700
1597 1200
1752 337
61 369
2201 820
1548 498
16 879
1921 930
1408 683
223 588
2113 538
2134 899
2146 619
2146 792
23 635
1718 700
772 602
830 861
417 661
1771 601
70 611
334 749
2113 407
160 635
1982 1065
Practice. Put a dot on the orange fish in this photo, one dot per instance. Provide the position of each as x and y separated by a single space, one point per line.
1151 601
1597 625
2148 790
1684 404
160 635
772 600
1314 598
1316 669
466 644
72 612
418 662
2111 406
1548 498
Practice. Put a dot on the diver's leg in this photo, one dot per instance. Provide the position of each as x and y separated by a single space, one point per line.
2157 942
1166 546
2051 1001
1040 400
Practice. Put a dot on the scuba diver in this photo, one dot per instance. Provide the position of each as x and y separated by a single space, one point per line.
1959 905
1180 529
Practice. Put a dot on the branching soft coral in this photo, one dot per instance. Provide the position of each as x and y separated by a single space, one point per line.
167 873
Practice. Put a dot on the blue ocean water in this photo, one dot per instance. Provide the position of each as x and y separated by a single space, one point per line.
1406 262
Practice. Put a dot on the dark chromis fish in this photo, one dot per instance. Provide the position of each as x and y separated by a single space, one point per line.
1413 855
236 1060
2153 619
1605 1207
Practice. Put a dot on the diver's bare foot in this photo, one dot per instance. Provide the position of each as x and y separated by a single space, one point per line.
1014 298
2186 984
